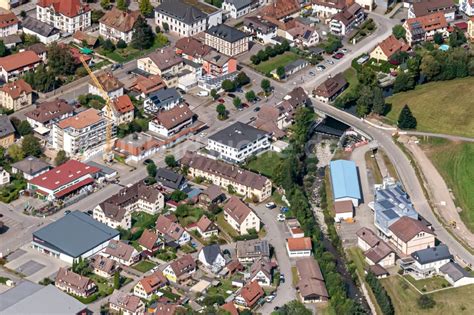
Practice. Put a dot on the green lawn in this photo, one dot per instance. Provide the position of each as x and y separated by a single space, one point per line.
275 62
265 163
450 301
430 284
104 287
129 53
390 167
144 266
143 220
351 77
225 285
439 107
455 162
224 226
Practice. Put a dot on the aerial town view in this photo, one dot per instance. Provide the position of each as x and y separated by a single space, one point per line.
226 157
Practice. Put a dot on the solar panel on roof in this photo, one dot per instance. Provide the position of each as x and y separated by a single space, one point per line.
386 204
390 214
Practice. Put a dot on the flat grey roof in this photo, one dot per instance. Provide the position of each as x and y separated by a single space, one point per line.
75 234
17 293
103 169
45 300
238 135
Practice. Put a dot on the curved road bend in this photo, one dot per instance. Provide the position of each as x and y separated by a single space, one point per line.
406 173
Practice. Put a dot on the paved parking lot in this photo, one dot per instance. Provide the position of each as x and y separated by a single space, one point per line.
34 265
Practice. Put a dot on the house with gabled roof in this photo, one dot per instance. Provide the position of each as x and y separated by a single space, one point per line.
16 95
180 269
150 242
121 110
168 227
67 15
149 285
124 303
249 295
110 83
388 48
261 271
71 282
117 24
409 235
104 267
212 258
240 216
122 253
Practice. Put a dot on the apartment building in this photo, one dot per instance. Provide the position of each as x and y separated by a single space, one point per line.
16 95
227 40
8 23
117 24
16 65
81 133
111 85
116 210
170 122
245 183
187 18
238 142
122 253
67 15
346 20
424 28
7 132
47 113
260 29
409 235
216 64
240 216
237 8
327 8
422 8
192 49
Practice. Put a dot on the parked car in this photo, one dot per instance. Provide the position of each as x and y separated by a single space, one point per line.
256 109
231 95
245 105
90 212
320 68
270 205
344 50
284 209
221 100
269 298
281 217
330 62
203 93
338 56
67 212
282 278
311 73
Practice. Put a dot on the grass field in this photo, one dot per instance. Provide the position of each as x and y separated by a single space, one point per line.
439 107
371 164
351 77
144 266
450 301
430 284
455 163
265 163
275 62
390 167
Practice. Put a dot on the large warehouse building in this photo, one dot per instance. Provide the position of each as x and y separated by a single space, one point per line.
345 181
73 236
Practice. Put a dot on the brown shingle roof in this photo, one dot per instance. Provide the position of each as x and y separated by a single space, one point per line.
47 111
17 88
132 194
168 227
108 81
338 4
280 9
429 22
174 116
120 250
19 60
368 236
103 264
331 86
213 192
237 209
122 21
309 287
183 265
73 280
426 7
113 212
344 206
309 267
192 47
225 170
205 225
407 228
149 84
82 36
378 252
126 301
165 58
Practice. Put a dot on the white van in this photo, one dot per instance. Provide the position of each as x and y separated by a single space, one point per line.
203 93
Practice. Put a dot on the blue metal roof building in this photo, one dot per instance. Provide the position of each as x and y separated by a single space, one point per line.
345 181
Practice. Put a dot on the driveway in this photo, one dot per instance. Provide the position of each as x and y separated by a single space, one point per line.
276 235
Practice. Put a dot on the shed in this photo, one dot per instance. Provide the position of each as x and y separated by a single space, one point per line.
343 210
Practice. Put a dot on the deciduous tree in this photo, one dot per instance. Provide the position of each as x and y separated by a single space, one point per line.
31 146
143 36
61 157
399 31
146 8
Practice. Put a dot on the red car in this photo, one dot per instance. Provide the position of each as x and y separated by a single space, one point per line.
245 105
338 56
221 100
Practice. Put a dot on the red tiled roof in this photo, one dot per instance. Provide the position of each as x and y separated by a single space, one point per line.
7 19
63 174
303 243
17 88
69 8
230 307
237 209
123 104
430 22
251 293
148 239
19 60
407 228
391 46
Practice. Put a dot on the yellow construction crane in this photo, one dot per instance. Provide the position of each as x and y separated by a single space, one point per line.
108 155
